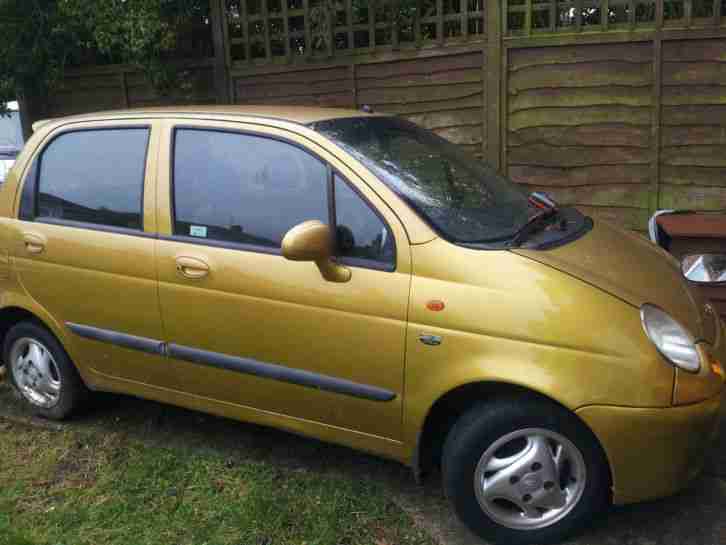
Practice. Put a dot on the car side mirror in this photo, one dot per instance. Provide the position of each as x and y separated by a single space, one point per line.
705 268
313 241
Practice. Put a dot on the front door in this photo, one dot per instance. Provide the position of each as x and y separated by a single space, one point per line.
84 245
255 329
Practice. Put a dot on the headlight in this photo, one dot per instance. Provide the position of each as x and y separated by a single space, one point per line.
670 338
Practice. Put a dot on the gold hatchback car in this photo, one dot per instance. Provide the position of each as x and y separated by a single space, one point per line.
355 278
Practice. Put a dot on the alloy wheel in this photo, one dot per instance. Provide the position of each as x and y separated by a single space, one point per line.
530 479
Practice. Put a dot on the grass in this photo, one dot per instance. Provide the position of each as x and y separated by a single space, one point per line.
101 484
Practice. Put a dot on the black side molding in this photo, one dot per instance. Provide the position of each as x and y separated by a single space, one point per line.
143 344
246 366
279 372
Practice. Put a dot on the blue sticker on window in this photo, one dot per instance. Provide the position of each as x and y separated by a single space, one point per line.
198 231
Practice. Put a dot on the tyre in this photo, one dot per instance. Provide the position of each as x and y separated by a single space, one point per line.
524 470
41 371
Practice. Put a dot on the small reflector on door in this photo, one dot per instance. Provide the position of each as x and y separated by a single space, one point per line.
435 305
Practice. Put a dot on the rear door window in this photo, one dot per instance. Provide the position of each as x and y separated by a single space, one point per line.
94 177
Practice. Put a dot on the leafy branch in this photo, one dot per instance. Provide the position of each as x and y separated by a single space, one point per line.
39 39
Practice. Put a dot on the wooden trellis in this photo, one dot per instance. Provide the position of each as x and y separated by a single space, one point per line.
263 31
525 17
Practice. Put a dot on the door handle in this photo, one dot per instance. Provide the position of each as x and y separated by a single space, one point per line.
191 267
34 243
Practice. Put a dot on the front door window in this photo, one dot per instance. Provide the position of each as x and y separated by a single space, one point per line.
244 189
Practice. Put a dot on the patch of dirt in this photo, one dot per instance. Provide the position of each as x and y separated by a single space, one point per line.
12 411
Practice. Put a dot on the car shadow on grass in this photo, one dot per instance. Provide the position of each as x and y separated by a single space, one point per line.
696 516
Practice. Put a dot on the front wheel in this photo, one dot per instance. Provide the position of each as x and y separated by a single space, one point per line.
521 471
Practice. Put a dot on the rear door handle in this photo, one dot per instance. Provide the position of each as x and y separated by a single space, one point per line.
34 243
192 267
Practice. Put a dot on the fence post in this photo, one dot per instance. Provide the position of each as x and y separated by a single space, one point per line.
221 51
123 83
655 133
492 83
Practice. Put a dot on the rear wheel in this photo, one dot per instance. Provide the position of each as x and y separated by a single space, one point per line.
42 372
524 471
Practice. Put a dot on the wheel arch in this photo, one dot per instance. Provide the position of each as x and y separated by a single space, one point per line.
10 316
445 411
13 314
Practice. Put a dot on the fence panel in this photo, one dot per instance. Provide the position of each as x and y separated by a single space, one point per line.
115 87
693 162
443 92
579 126
616 106
324 86
196 87
81 93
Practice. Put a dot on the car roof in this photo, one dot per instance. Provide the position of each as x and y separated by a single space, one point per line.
295 114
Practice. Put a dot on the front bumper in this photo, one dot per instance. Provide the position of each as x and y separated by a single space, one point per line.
653 452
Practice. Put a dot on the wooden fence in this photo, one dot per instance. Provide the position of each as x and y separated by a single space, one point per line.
616 106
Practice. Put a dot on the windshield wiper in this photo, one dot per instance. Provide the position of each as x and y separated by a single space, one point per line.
534 224
547 210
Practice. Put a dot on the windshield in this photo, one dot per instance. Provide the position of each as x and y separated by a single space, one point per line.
461 197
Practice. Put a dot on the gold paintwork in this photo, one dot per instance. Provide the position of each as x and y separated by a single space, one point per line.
271 309
564 322
653 452
613 260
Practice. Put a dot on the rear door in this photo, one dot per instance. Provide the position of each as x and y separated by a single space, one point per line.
255 329
85 243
